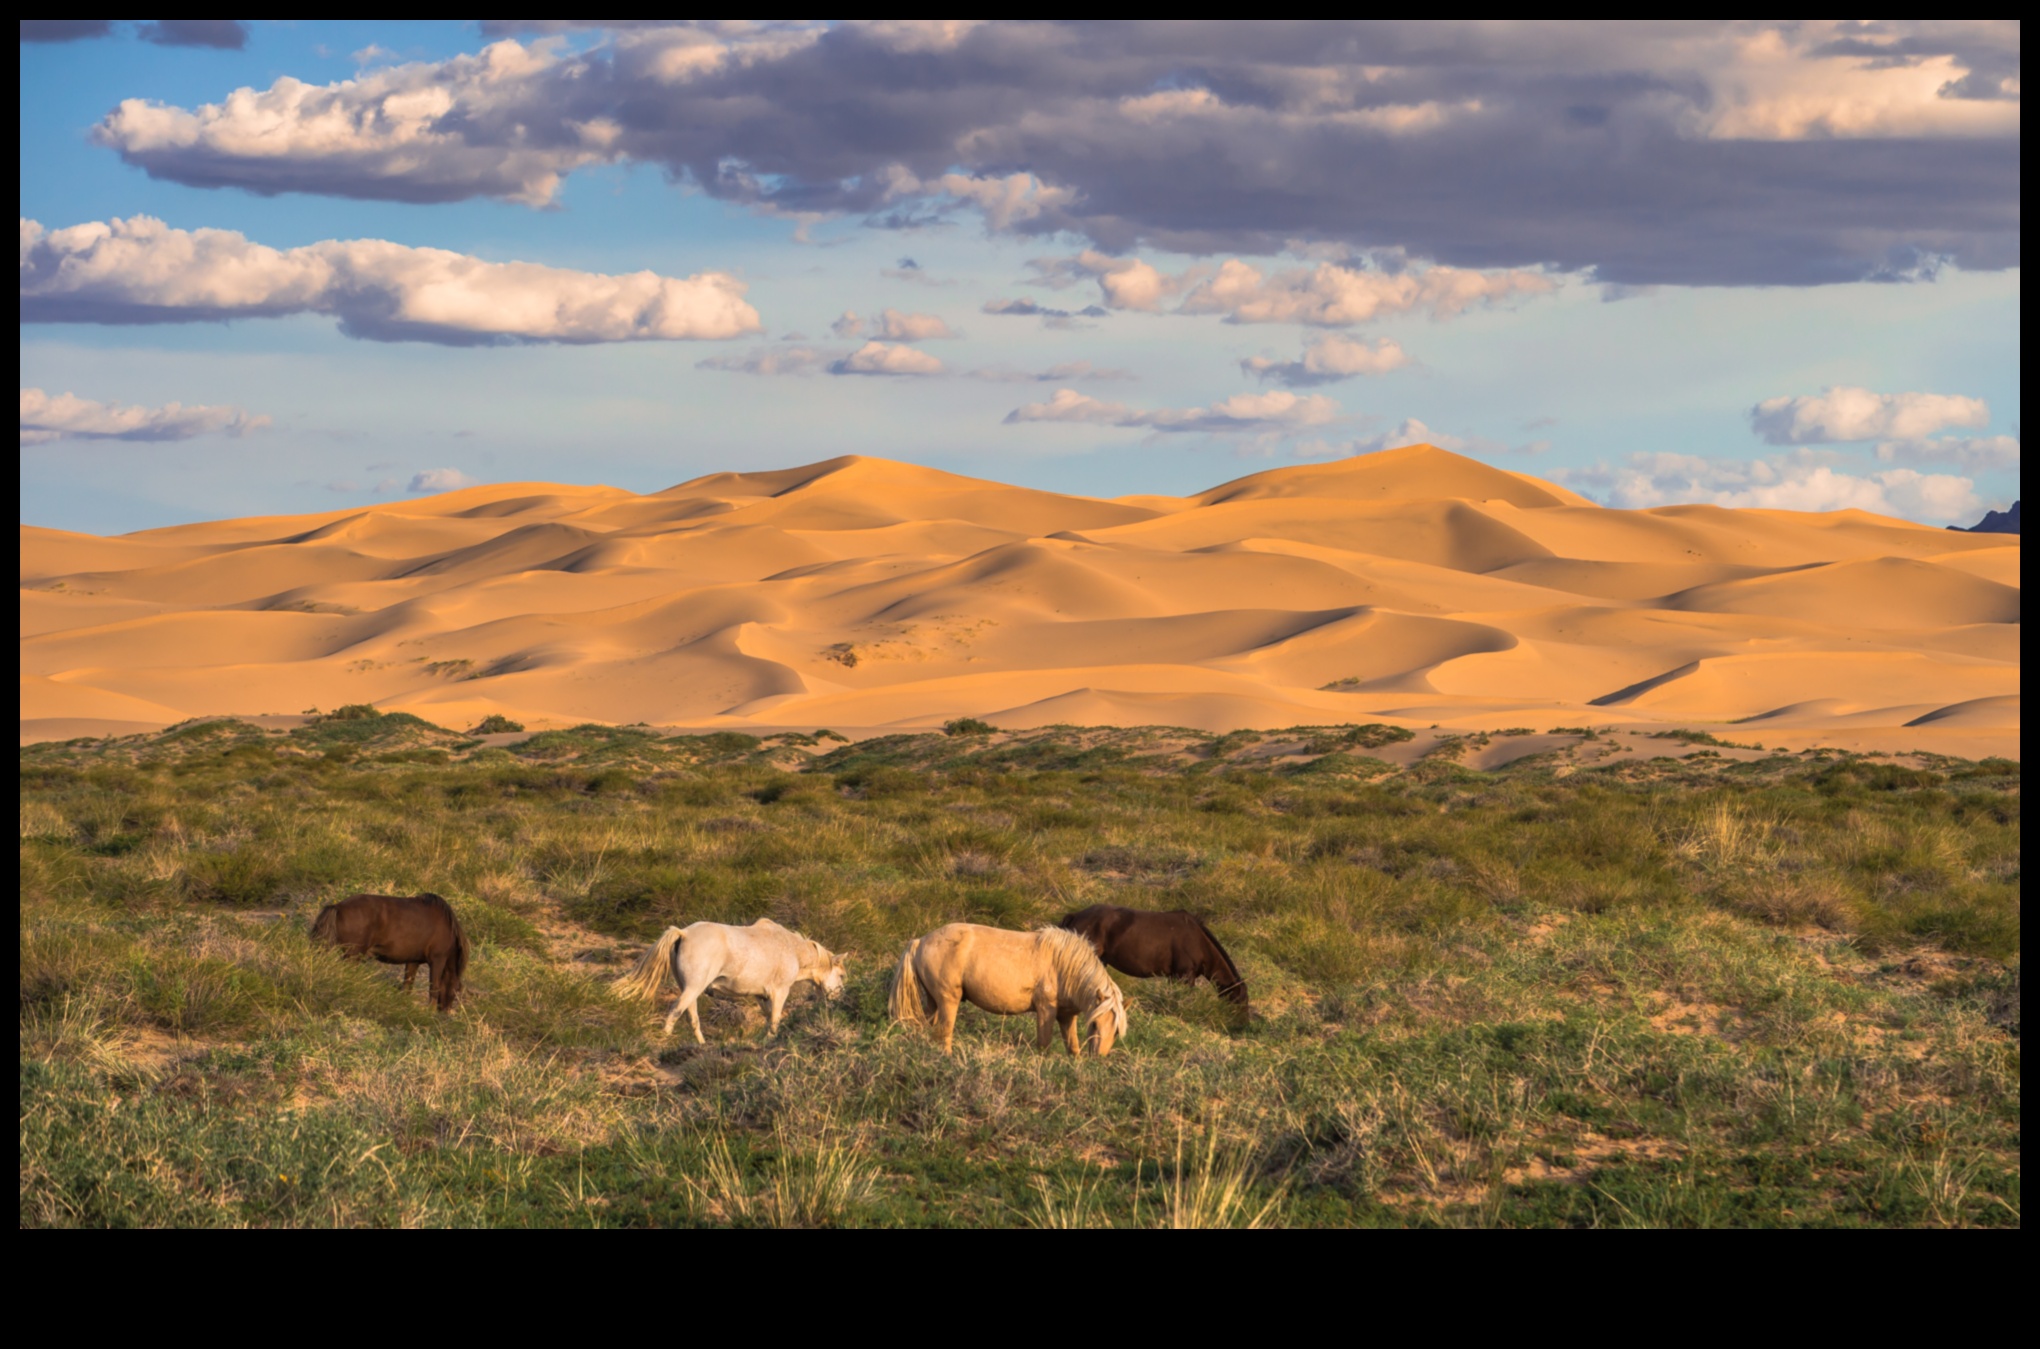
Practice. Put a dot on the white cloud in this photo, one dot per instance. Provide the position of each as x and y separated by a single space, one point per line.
877 358
1976 453
1015 199
1802 481
1843 412
1244 412
1332 296
412 129
440 480
139 270
847 326
893 326
1328 359
1327 295
47 417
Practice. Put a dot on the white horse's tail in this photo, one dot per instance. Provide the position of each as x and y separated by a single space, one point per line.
906 1003
648 976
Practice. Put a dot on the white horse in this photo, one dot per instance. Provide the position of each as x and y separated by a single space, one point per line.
763 960
1049 972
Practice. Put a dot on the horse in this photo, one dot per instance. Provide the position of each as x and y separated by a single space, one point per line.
1174 945
1048 972
763 960
407 930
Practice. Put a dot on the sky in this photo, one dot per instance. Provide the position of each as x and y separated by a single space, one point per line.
283 267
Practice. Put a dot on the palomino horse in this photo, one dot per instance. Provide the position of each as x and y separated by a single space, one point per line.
1049 972
402 930
1172 945
763 960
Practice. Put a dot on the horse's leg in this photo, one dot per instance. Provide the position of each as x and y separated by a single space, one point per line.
1044 1020
686 1002
437 971
945 1018
410 973
1069 1030
775 1006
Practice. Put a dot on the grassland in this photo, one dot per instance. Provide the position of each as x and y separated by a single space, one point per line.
1671 991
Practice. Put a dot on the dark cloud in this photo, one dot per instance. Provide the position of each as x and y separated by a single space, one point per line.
229 34
1027 308
1667 152
64 30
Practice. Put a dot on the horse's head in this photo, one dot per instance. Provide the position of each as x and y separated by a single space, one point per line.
1107 1020
828 971
446 987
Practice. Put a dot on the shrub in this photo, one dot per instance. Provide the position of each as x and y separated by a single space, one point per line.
352 712
968 726
496 724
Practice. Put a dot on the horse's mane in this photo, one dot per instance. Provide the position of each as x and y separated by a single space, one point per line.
1078 968
1232 971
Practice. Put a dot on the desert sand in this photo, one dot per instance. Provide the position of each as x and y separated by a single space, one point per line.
1412 586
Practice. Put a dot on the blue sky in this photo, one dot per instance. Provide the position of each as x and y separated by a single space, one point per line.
1785 273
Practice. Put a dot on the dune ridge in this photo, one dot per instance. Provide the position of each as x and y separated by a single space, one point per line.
1409 585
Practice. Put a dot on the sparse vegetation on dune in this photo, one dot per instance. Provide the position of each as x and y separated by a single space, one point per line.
1670 991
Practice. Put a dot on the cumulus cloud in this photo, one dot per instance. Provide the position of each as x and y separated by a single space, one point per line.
140 270
440 480
893 326
47 417
849 325
1843 412
879 358
1976 453
1244 412
1795 482
1328 359
1332 296
1650 151
1327 295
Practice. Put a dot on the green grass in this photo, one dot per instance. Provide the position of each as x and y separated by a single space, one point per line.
1660 993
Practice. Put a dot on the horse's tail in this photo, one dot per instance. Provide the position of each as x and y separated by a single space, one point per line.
1234 988
907 1003
456 959
326 927
648 976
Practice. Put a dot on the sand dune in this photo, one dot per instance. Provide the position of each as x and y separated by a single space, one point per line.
1409 585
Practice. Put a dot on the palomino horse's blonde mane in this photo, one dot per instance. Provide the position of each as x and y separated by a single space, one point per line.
1080 973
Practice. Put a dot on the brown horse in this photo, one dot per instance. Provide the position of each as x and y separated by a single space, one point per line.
1147 944
407 930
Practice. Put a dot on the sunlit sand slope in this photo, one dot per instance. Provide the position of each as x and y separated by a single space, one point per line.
1410 585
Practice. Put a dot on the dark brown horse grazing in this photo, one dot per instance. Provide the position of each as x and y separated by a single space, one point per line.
407 930
1173 945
